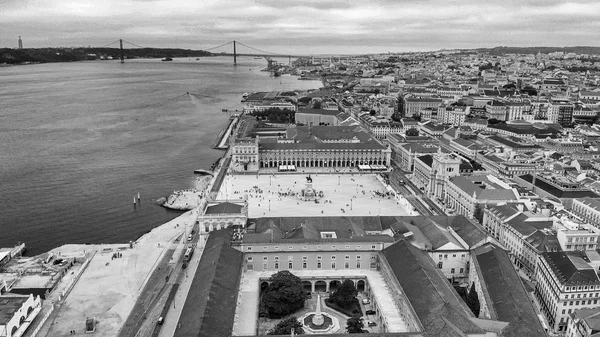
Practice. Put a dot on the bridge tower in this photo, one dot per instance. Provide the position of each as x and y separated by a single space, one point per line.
121 50
234 54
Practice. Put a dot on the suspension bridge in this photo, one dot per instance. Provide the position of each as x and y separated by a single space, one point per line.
226 49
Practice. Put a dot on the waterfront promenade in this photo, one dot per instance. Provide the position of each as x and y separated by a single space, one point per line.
109 288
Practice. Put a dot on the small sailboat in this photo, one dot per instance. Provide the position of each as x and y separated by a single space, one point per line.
138 195
134 201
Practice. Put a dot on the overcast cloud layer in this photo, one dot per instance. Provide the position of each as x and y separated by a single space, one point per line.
302 26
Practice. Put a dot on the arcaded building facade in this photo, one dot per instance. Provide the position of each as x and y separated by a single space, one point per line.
317 146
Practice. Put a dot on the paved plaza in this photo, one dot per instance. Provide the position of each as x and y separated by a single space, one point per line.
344 195
109 287
247 305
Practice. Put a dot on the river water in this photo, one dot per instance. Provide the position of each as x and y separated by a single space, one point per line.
79 140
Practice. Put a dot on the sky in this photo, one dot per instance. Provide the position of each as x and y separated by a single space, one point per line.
302 27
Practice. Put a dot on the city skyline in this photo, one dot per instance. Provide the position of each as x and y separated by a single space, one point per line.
301 27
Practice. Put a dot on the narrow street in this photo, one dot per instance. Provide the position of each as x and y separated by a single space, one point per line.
183 283
422 203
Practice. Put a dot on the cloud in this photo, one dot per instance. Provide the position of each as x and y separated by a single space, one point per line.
295 26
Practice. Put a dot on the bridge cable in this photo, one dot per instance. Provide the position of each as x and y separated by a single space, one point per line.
133 44
110 44
256 49
224 44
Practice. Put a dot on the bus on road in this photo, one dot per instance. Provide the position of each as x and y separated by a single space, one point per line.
188 253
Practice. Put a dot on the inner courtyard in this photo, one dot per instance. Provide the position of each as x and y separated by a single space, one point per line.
374 294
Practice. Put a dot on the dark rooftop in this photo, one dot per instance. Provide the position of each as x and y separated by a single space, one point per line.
209 309
9 305
526 228
426 159
509 299
559 193
308 229
319 112
436 303
224 208
570 268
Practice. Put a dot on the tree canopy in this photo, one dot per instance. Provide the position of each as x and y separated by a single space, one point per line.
284 327
473 300
345 295
276 115
284 295
529 90
305 99
412 132
354 325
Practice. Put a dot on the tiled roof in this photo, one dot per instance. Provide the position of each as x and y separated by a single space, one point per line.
509 299
495 193
426 159
471 233
433 127
571 268
544 242
320 146
308 229
524 129
418 148
209 308
9 305
563 194
526 228
319 112
224 208
591 202
511 143
434 301
591 316
503 211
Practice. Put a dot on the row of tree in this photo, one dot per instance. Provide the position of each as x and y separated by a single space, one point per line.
276 115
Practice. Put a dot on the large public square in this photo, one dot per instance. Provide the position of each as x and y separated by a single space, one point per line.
276 195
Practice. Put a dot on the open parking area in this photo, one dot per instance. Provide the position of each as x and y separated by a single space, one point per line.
343 195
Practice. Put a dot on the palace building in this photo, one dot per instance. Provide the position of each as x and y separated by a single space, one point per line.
306 146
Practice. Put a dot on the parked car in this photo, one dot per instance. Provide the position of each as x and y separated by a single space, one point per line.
190 237
365 301
370 312
371 323
160 320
